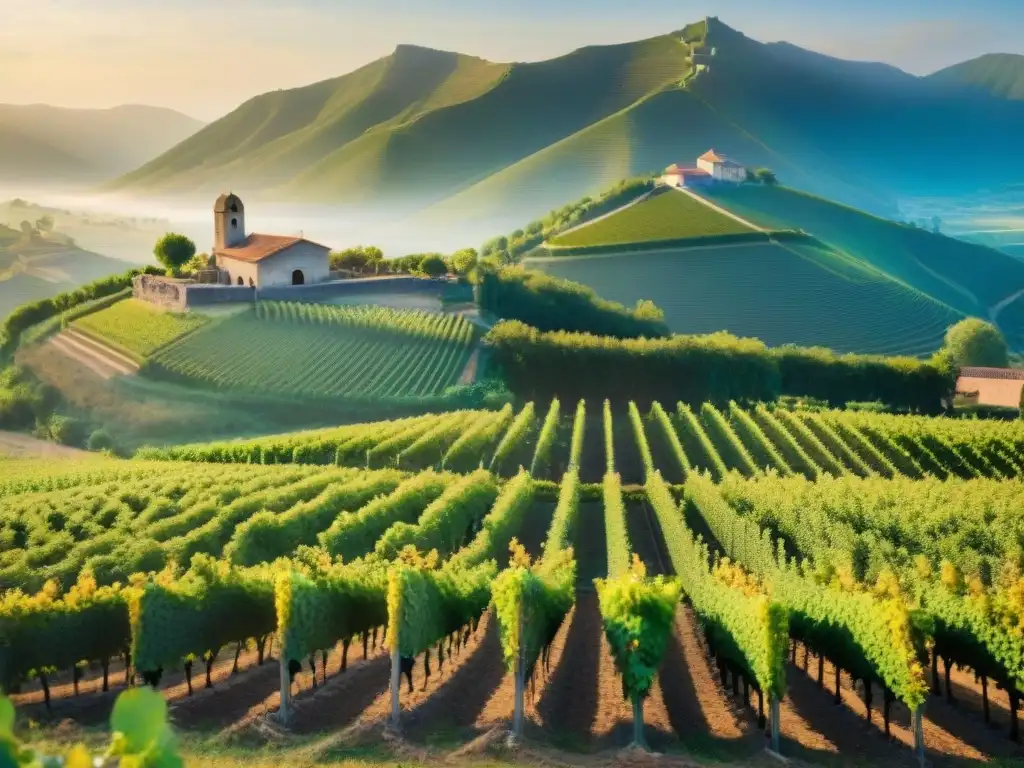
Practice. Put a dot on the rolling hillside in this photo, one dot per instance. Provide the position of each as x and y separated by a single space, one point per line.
42 143
997 74
783 293
483 145
971 279
37 269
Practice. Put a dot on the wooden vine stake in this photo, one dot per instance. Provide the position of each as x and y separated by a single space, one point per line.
520 675
774 722
919 736
283 713
396 684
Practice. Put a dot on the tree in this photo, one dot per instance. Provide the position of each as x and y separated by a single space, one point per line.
198 263
973 342
45 223
464 260
433 265
766 176
27 228
174 251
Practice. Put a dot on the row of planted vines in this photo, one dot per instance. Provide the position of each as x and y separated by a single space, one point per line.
834 530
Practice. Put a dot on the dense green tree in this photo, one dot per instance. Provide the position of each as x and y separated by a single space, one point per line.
766 176
974 342
45 223
361 258
464 260
174 251
433 265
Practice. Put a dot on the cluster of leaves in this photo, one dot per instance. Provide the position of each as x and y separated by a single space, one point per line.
638 615
744 624
663 420
141 738
500 525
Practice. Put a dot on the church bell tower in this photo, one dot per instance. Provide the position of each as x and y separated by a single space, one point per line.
228 222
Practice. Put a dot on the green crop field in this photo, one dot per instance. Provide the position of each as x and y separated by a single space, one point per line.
785 293
322 351
137 327
669 215
835 523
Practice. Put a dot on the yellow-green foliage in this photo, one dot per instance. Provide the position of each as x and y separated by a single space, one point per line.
668 216
638 615
137 327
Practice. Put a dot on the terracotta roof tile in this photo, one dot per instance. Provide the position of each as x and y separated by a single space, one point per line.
712 157
259 247
992 373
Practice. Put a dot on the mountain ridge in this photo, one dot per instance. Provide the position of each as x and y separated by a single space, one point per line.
424 130
997 74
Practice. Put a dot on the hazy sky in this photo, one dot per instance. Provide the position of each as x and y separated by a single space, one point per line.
205 57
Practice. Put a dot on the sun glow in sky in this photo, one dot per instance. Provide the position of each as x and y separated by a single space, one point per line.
205 57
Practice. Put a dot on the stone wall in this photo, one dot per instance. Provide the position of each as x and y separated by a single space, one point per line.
178 295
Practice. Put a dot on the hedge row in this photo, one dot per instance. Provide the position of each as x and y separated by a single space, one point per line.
27 315
552 304
715 368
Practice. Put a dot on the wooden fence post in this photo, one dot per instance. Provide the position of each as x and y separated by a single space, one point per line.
919 736
286 687
520 675
776 728
396 684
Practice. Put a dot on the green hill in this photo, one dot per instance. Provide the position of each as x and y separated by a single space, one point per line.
783 293
997 74
478 146
54 144
970 278
665 215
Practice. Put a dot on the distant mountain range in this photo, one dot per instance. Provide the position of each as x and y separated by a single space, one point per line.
995 74
40 143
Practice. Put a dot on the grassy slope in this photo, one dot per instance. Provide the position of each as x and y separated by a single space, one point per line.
274 137
999 74
137 327
789 293
969 278
664 216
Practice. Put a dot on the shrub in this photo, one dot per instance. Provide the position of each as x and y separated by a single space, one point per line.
100 440
581 366
973 342
67 430
550 304
715 368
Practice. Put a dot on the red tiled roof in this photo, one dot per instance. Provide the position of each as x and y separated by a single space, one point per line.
687 171
259 247
1016 374
712 157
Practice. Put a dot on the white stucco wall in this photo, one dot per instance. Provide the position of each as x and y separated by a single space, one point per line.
730 173
672 179
708 166
277 270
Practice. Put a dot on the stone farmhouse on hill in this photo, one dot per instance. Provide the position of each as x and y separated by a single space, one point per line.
262 261
711 168
991 386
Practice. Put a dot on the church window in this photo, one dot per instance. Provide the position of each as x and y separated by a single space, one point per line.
234 207
234 223
240 281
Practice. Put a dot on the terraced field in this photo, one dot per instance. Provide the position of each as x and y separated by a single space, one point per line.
666 215
137 327
322 351
784 293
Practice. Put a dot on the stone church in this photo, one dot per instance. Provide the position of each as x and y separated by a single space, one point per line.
262 261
